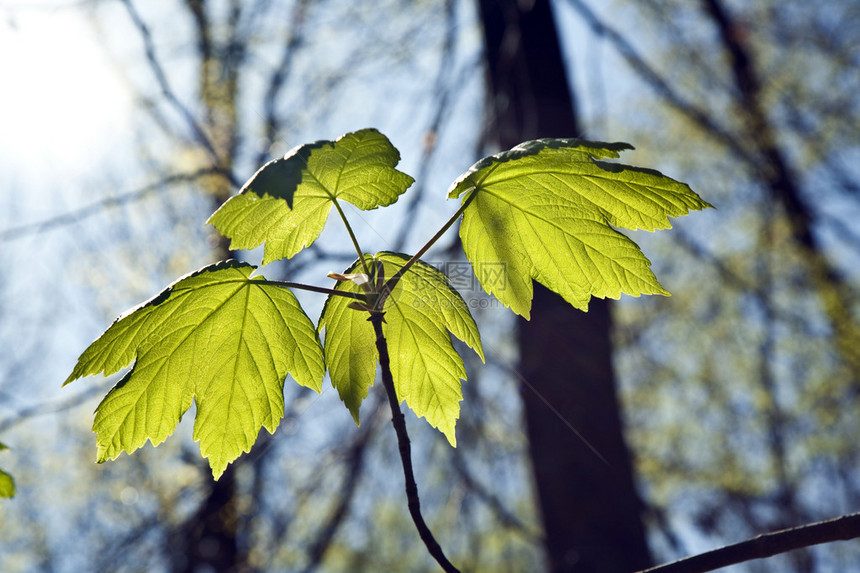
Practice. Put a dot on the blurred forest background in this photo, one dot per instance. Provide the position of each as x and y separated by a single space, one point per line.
726 410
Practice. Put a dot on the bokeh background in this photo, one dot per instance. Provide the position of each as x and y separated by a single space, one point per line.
124 124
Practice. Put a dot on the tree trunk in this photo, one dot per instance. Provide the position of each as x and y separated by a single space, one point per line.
582 469
208 541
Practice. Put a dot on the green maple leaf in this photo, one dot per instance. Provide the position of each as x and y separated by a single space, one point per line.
7 484
286 203
218 336
545 210
419 314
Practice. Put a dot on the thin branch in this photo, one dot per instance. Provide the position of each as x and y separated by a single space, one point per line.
841 528
524 382
278 79
166 90
662 87
504 516
781 182
49 408
78 215
443 89
355 457
414 503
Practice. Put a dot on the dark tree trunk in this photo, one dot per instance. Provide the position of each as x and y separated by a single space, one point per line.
582 468
207 541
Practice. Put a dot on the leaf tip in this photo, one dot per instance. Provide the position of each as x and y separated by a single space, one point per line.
217 469
480 352
103 455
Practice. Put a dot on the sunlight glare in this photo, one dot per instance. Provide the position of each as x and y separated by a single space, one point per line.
60 99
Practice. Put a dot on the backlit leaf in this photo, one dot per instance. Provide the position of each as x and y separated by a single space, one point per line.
218 336
7 484
419 314
286 203
545 211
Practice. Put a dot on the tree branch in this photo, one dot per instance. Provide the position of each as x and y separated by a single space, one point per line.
354 468
781 181
161 78
505 517
294 39
377 318
839 529
444 89
658 83
97 207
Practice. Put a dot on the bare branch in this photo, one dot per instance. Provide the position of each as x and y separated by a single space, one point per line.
767 545
51 408
443 94
279 77
166 90
78 215
638 64
504 516
354 469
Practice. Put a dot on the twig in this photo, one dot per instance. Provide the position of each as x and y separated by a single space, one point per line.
504 516
166 90
657 82
839 529
49 408
444 89
97 207
414 503
278 79
354 467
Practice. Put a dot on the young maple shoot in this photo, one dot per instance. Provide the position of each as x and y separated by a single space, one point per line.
225 337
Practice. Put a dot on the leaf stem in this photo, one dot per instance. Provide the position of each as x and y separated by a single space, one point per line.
351 236
392 282
312 288
399 422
